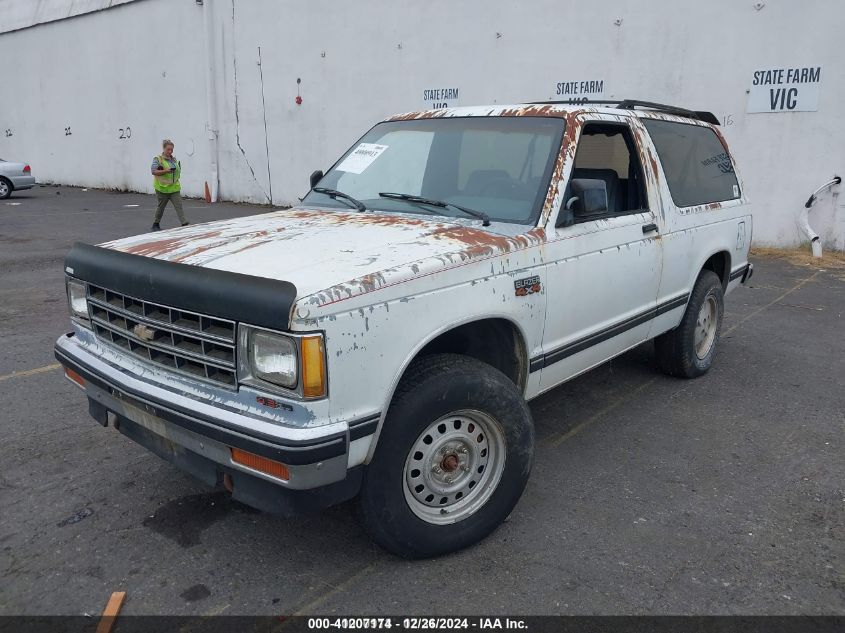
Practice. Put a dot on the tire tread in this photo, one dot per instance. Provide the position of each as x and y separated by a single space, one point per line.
389 525
673 349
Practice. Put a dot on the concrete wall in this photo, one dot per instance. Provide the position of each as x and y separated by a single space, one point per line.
93 96
21 14
359 62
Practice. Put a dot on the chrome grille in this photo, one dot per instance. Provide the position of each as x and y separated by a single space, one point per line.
186 342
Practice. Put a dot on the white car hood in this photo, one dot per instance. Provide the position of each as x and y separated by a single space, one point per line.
317 250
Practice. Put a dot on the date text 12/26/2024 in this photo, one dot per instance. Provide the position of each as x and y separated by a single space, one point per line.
416 623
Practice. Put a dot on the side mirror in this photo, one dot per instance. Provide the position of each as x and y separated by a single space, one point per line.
316 177
591 196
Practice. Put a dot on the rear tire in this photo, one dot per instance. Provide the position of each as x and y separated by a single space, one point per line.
452 460
6 188
689 349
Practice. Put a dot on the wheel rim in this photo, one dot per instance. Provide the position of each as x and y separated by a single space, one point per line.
4 188
454 466
705 326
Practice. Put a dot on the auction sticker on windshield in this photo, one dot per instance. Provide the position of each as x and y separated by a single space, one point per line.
361 158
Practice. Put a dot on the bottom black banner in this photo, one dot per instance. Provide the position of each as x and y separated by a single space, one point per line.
534 624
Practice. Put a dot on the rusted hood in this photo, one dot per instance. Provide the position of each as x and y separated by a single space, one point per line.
317 250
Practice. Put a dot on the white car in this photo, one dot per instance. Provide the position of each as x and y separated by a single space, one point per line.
382 339
14 177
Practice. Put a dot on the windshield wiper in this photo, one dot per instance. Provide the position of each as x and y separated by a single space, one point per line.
334 193
485 219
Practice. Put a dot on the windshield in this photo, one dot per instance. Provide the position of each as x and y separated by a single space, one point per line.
496 166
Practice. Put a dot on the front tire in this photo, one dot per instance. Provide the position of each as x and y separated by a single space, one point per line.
452 460
689 349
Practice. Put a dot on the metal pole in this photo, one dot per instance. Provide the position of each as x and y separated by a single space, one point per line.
266 138
211 99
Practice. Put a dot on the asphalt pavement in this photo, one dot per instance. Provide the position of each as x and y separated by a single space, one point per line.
649 495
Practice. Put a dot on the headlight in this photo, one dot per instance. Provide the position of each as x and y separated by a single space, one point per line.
296 361
76 299
272 357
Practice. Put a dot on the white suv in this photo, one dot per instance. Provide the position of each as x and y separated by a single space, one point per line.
382 338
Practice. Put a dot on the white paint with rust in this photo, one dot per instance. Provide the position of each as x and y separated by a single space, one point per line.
381 286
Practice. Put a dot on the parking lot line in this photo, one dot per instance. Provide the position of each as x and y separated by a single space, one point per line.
305 609
29 372
771 303
559 438
70 213
216 610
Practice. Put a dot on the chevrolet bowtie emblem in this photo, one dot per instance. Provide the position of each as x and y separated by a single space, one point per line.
143 332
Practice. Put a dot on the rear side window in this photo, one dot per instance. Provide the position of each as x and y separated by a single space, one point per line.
697 167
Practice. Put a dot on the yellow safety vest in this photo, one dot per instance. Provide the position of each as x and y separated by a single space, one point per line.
169 182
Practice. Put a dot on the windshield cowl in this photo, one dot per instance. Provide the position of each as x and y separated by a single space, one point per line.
414 217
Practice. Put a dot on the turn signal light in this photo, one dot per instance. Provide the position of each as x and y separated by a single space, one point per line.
79 380
261 464
313 367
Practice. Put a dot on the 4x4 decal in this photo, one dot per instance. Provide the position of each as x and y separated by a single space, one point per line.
527 286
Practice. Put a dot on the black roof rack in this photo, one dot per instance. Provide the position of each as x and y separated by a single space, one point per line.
630 104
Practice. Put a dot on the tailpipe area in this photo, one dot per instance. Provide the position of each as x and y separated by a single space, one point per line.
804 217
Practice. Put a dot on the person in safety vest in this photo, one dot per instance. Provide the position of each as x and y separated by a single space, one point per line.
166 170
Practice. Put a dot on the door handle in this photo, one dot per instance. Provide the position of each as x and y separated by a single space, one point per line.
648 228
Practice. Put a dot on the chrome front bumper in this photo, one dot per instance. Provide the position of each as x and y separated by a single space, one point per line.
315 456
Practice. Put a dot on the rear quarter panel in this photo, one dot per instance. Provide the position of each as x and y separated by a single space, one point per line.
11 169
14 172
691 235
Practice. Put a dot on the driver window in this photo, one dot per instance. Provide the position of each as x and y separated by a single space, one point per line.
606 178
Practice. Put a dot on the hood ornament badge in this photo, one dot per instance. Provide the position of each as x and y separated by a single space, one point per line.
143 332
